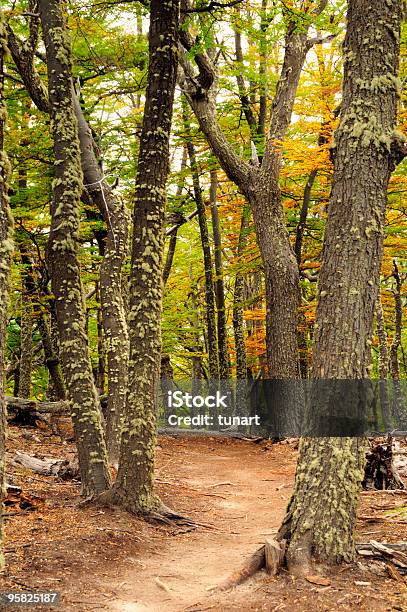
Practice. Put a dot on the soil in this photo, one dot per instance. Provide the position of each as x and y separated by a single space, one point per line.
237 490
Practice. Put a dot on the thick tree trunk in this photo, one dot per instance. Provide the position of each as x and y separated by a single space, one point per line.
6 248
321 515
62 256
219 284
133 489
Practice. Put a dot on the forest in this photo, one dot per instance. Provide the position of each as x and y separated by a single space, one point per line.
203 281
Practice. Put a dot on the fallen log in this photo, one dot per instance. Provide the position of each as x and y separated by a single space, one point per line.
28 411
61 468
176 432
394 553
61 407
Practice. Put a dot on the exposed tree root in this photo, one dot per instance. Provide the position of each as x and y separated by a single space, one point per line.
160 514
169 517
254 564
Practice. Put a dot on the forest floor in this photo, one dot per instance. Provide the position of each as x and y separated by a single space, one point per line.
105 559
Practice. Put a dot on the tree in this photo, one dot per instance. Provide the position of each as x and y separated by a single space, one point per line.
133 488
6 249
114 213
211 341
259 182
62 256
321 514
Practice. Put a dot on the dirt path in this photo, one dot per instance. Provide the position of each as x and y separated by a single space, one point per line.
243 512
101 558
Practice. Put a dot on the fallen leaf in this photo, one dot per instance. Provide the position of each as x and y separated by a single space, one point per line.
321 580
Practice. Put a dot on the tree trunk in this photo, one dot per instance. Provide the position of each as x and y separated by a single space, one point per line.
399 409
115 329
26 343
219 285
133 489
383 363
207 257
62 256
238 299
173 232
321 515
6 249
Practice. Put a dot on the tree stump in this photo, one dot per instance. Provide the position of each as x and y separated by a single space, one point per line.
380 471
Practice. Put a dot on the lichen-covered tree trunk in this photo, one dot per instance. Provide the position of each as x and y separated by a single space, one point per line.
219 284
134 485
6 248
321 515
115 329
63 260
115 215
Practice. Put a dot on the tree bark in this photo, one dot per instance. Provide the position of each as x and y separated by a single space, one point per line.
134 489
320 518
62 256
6 249
398 400
115 329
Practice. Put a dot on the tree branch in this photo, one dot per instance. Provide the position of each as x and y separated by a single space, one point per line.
211 6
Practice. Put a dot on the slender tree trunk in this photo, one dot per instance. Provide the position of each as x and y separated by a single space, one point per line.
321 515
51 357
26 345
62 256
238 299
383 361
134 485
6 249
212 342
219 284
172 242
115 328
398 309
398 400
